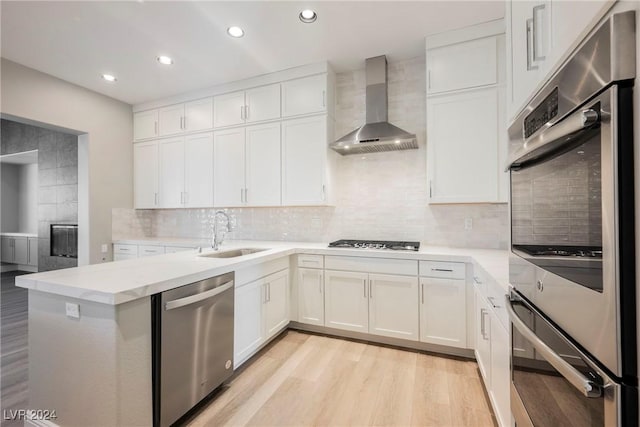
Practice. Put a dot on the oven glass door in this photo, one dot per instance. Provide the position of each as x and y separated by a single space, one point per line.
551 393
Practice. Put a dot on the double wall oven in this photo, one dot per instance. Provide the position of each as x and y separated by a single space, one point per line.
572 263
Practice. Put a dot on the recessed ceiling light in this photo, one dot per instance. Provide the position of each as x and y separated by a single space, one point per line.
164 60
236 32
346 147
110 78
398 141
308 16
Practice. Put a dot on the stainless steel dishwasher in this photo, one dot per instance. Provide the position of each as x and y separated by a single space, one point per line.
192 345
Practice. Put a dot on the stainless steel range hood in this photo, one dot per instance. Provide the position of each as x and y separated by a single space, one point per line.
377 134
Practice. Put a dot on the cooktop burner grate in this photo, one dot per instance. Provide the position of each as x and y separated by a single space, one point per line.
376 244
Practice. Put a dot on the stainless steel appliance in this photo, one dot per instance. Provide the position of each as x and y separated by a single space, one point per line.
376 244
192 345
572 264
64 240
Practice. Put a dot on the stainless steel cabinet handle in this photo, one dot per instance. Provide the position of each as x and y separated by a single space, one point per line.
246 112
184 123
320 282
534 42
478 281
324 192
192 299
181 127
482 311
155 199
430 189
529 32
269 291
155 127
575 377
370 289
428 79
242 112
445 270
246 195
364 287
324 98
422 293
241 195
492 301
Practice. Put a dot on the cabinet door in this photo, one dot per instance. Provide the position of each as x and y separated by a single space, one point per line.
263 103
346 300
448 67
311 296
7 249
463 146
20 250
304 96
263 160
228 168
32 244
171 120
443 314
198 115
500 372
276 311
393 306
145 125
228 110
172 173
304 160
122 257
198 176
145 175
248 331
483 339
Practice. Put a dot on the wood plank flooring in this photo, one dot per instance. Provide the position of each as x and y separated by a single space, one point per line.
304 380
13 347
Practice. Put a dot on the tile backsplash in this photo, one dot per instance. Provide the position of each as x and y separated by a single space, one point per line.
379 196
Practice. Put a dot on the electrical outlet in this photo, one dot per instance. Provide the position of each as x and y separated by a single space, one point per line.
468 223
316 222
72 310
104 248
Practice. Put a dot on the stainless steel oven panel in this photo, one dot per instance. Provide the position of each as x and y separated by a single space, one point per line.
590 317
608 390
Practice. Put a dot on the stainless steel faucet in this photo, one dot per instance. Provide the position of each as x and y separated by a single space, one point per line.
217 239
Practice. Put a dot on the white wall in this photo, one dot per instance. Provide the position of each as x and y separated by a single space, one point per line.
28 198
107 175
9 195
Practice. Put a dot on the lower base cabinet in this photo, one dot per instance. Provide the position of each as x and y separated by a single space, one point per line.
261 311
346 300
15 250
311 296
443 311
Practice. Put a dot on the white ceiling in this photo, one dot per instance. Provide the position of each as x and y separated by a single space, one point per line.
78 41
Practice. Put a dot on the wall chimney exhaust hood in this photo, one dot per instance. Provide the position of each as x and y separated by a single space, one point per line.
377 134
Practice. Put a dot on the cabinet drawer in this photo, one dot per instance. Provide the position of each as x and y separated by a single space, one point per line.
174 249
122 257
372 265
125 249
445 270
311 261
149 250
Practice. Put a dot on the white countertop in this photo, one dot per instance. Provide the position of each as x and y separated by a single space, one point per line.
119 282
5 234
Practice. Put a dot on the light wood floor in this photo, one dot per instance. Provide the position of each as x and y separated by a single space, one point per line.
13 346
303 380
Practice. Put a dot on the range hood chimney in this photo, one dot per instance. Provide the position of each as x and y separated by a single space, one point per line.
377 134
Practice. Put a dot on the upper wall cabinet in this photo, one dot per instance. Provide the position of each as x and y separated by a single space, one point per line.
540 35
254 105
198 115
306 96
145 125
175 119
448 66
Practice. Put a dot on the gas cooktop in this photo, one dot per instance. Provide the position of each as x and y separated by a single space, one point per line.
376 244
562 251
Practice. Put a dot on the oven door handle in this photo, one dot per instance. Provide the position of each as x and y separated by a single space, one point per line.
575 377
567 129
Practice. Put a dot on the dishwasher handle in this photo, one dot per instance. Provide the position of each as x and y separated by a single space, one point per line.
192 299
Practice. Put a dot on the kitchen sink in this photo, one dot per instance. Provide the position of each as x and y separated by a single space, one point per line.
232 253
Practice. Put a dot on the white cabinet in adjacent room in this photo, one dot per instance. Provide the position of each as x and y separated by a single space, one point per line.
15 250
248 329
6 247
346 300
145 125
171 120
305 96
198 115
305 161
171 169
229 167
393 306
32 244
443 313
198 170
145 175
311 296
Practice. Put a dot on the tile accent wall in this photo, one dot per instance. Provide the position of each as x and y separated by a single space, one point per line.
380 196
57 181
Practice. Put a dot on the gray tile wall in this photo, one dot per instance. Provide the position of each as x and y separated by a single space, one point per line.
57 180
380 196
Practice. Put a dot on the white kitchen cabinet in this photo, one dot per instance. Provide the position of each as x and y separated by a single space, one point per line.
393 306
228 109
175 249
448 67
6 246
122 257
198 115
501 373
276 312
171 172
145 174
346 300
150 250
198 170
443 313
171 119
483 339
305 96
32 248
248 327
263 160
229 167
311 296
262 103
15 250
305 161
145 125
463 159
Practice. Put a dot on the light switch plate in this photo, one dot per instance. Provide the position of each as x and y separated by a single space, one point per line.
104 248
72 310
468 223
